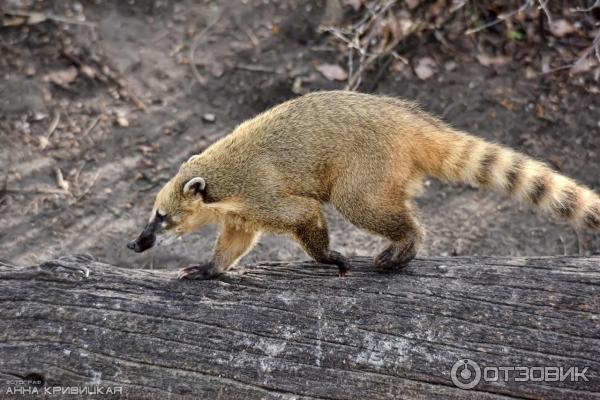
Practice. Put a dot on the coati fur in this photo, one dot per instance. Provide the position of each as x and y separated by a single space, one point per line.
366 155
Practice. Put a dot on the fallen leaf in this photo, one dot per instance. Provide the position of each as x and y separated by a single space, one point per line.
488 61
540 112
509 105
425 68
297 86
122 122
35 18
582 65
16 21
43 142
88 71
412 4
62 76
217 70
332 72
562 27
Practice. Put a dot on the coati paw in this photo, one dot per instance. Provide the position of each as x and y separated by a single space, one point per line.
395 257
341 262
199 272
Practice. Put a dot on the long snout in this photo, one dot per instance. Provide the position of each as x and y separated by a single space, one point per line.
145 240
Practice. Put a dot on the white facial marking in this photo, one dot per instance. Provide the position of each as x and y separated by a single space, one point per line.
161 212
164 239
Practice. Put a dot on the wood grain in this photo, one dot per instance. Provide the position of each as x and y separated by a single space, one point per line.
296 330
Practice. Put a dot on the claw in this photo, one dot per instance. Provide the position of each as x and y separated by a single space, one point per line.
201 272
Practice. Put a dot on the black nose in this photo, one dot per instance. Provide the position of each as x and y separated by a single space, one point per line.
132 245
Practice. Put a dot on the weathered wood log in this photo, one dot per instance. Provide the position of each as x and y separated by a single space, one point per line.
295 330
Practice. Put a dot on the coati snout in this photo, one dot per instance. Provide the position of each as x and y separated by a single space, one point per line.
147 238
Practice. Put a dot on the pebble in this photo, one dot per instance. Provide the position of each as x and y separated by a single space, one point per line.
208 117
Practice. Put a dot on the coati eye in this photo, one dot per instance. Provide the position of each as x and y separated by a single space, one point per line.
160 215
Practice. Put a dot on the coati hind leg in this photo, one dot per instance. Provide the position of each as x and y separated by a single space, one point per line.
233 243
397 222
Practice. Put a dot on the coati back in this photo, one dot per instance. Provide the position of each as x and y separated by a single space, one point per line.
367 155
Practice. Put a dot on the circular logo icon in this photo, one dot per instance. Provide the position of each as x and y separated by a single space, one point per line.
465 374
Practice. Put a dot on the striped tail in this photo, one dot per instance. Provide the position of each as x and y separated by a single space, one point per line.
465 158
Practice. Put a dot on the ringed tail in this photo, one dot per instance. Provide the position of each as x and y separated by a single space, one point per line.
456 156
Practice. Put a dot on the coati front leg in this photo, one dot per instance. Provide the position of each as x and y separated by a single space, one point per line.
233 243
314 238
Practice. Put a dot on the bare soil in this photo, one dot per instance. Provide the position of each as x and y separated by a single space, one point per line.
115 156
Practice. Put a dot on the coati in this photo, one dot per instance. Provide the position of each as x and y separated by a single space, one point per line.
365 154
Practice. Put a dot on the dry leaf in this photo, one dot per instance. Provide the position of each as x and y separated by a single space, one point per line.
540 111
35 18
412 4
425 68
509 105
88 71
62 76
582 65
562 27
332 72
488 61
16 21
43 142
297 86
122 122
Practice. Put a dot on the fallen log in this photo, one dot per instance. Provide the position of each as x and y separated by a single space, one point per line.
296 330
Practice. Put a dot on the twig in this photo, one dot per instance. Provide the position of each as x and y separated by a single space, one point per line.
590 8
41 17
60 180
546 11
36 191
87 190
92 125
500 19
595 47
201 80
53 124
255 68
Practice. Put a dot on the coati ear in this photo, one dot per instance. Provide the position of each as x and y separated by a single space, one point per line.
194 186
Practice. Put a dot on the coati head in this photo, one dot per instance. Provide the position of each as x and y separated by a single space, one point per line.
178 209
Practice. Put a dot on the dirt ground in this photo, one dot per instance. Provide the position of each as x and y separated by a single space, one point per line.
70 99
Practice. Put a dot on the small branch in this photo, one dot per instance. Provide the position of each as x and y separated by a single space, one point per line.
500 19
41 17
53 124
255 68
201 80
546 11
590 8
